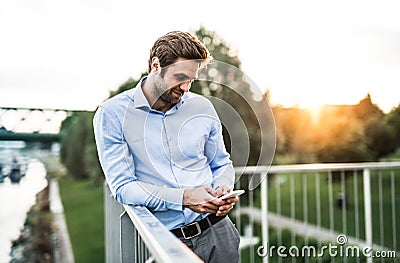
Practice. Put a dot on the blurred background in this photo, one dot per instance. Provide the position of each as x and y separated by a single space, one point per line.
329 71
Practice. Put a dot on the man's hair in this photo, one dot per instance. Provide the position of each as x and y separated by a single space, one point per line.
177 44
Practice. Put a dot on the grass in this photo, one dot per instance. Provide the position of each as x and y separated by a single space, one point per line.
84 212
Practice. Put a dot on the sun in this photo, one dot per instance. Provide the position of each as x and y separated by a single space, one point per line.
315 113
303 99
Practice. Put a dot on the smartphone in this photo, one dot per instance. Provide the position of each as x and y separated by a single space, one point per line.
232 194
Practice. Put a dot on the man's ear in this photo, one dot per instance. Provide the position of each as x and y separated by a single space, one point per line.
155 65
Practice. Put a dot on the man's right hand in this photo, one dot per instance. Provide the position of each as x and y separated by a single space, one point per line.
201 200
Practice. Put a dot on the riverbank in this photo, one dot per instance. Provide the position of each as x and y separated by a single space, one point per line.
35 241
80 206
44 236
17 201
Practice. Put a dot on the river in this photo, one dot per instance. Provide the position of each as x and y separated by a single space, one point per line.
15 202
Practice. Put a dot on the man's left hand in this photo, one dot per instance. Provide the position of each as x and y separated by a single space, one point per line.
228 203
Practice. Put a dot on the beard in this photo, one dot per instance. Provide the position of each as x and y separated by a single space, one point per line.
161 92
166 97
165 94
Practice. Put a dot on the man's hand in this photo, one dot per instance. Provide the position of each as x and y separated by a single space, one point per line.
228 203
202 200
205 200
222 190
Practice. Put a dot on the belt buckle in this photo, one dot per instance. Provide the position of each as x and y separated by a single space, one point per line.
187 226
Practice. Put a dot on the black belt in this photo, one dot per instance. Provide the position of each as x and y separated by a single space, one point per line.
194 229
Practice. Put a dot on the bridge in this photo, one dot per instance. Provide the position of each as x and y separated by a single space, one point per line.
32 124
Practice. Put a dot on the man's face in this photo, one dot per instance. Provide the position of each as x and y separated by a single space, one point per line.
176 80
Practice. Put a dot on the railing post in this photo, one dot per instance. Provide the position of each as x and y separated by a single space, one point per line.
264 210
367 208
112 212
127 242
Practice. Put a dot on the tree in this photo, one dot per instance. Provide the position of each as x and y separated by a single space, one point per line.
342 133
228 85
380 138
74 137
365 109
393 121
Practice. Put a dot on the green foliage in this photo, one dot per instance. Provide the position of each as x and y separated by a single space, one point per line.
74 133
393 121
218 48
78 149
380 139
91 160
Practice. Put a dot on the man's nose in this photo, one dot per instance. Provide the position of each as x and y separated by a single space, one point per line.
185 86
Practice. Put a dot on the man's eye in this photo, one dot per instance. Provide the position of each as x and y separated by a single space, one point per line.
182 78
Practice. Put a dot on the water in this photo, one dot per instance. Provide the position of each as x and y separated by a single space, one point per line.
15 202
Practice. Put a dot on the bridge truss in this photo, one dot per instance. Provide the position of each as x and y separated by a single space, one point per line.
31 124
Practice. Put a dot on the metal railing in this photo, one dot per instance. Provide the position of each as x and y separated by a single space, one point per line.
316 202
133 234
321 203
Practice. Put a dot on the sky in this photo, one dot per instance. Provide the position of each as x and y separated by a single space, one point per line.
70 54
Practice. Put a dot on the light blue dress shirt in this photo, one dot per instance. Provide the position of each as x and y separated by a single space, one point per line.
149 157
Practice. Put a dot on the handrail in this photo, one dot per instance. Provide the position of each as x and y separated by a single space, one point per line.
161 243
134 234
316 167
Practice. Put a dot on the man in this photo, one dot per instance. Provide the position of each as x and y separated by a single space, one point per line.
161 146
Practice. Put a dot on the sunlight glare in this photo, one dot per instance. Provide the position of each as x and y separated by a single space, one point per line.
315 113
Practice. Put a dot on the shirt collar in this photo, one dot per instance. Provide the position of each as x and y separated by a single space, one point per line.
140 101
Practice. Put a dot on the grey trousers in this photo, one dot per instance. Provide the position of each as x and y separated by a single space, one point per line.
217 244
